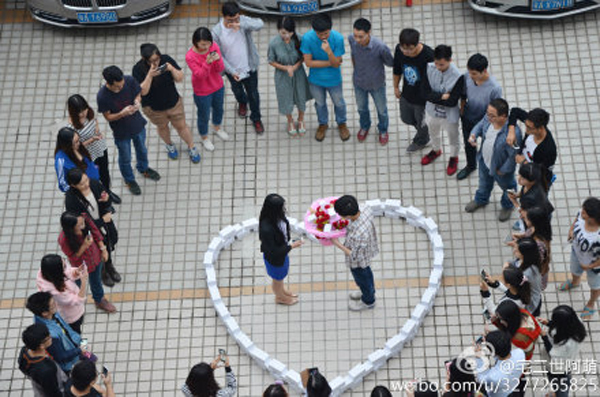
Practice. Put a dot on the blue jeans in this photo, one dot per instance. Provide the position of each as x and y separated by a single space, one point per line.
95 281
364 279
320 94
486 184
141 155
362 103
203 105
246 92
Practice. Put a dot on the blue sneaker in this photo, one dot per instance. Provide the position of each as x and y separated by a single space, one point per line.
172 152
194 155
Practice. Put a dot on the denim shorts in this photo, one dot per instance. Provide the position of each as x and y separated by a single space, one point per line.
593 278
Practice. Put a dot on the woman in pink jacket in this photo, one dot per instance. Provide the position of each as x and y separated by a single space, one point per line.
204 60
58 278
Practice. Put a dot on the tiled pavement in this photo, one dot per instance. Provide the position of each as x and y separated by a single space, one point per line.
165 322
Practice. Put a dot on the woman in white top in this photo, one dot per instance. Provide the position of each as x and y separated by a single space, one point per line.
83 120
562 340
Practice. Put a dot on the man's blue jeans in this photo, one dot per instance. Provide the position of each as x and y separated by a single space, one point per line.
362 103
204 104
364 279
141 155
486 184
320 94
246 92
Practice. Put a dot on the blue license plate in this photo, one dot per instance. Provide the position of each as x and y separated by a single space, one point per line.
97 17
550 5
299 8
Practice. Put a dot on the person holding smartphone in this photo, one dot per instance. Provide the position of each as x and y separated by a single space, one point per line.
83 381
157 74
83 243
201 380
205 61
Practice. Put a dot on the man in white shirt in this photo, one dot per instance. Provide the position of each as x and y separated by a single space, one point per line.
501 379
233 34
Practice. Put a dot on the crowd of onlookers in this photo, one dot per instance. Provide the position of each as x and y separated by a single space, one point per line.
435 95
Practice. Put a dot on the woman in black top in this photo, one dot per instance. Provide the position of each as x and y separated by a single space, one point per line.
274 234
534 191
90 196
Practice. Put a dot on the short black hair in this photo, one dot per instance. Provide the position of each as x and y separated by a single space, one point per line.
362 24
381 391
500 105
83 374
409 36
346 206
592 207
148 49
230 9
34 335
477 62
442 52
39 303
112 73
321 23
539 117
500 341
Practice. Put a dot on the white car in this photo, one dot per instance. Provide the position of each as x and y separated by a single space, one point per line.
294 7
99 13
534 9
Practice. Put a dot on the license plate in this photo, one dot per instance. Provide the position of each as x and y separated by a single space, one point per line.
299 8
97 17
550 5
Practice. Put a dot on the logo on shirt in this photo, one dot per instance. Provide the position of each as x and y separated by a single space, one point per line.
411 75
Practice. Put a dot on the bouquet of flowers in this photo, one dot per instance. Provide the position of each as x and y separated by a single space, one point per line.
323 222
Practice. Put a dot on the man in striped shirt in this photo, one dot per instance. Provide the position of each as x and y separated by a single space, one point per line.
360 247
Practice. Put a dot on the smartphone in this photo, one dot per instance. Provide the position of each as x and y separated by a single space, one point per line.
511 191
212 53
479 340
104 370
486 315
223 355
484 275
162 68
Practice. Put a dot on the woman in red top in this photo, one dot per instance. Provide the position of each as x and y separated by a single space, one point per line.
83 244
205 62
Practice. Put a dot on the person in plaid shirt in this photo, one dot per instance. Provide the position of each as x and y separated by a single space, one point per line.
360 247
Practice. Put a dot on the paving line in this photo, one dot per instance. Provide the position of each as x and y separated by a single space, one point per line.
304 288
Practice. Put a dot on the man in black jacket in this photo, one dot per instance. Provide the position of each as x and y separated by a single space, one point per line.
46 376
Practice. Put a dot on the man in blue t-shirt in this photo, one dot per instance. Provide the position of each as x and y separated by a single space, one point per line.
119 101
323 49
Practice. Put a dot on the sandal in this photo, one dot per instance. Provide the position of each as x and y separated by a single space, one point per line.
301 130
587 313
292 130
567 286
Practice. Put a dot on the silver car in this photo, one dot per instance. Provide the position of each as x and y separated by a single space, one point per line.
534 9
294 7
99 13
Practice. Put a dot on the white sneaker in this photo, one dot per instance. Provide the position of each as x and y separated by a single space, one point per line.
357 306
208 145
221 133
355 295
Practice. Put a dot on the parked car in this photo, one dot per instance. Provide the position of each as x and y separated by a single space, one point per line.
99 13
294 7
534 9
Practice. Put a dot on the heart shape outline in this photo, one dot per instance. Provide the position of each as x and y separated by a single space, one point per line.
389 208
